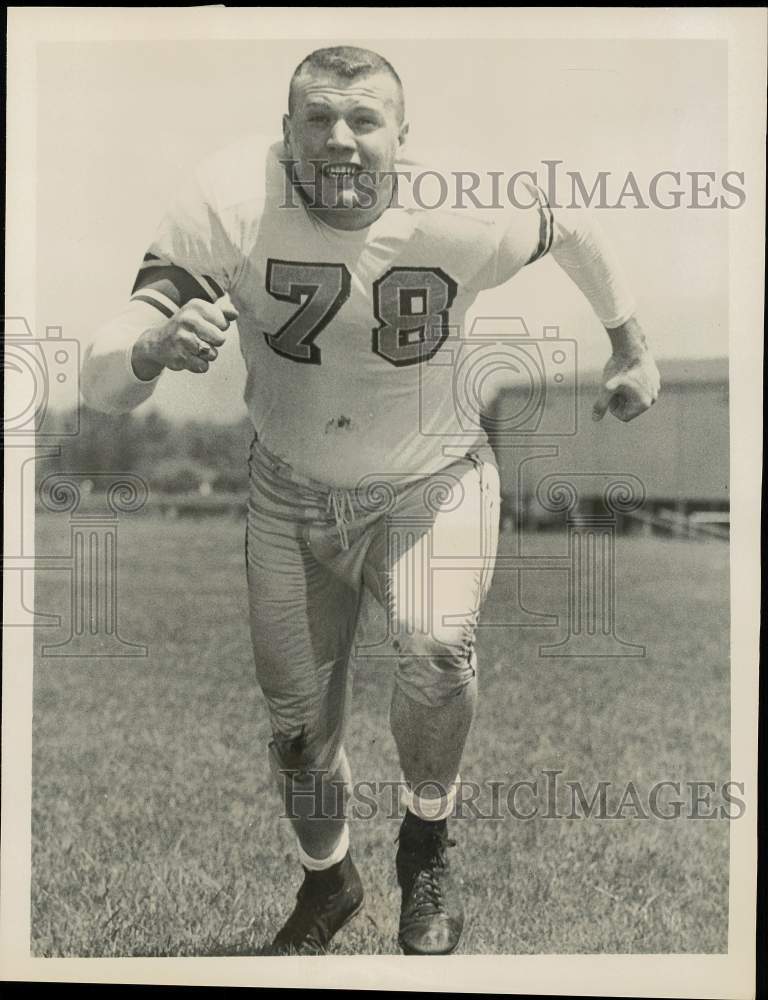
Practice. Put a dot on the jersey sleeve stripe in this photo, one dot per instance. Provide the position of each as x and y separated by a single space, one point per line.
550 223
546 227
154 298
175 283
219 291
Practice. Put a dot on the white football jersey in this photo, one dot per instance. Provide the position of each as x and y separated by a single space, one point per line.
349 338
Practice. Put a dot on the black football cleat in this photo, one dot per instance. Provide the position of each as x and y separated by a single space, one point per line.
326 902
431 911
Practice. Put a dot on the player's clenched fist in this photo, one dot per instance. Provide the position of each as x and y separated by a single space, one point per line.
188 341
631 380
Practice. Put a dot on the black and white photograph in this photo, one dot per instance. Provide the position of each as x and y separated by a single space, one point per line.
382 498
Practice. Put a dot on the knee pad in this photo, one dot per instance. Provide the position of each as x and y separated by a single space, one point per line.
433 674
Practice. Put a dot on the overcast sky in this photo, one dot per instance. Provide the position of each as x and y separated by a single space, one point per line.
120 123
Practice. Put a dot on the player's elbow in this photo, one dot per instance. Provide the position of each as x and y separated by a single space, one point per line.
108 385
110 406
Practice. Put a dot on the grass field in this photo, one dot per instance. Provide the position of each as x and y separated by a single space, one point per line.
154 829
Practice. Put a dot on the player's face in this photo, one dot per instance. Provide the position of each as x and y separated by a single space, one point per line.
344 135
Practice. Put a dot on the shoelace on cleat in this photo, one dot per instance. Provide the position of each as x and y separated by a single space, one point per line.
426 891
426 895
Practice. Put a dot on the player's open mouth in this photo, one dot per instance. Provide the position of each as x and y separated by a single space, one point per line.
341 169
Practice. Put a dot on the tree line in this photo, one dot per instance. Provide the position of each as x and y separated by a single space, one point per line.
189 457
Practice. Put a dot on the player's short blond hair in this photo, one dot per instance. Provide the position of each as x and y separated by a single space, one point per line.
347 61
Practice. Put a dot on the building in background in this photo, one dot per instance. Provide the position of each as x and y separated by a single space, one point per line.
678 450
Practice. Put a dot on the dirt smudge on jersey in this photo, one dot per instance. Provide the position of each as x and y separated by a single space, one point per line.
338 423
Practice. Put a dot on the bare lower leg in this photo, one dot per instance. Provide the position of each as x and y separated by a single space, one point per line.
430 739
315 802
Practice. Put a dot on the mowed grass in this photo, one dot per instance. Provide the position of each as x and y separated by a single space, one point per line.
154 819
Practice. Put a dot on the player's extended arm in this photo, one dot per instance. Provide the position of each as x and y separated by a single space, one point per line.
122 364
630 377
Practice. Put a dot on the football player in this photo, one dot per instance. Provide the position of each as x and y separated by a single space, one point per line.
344 289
